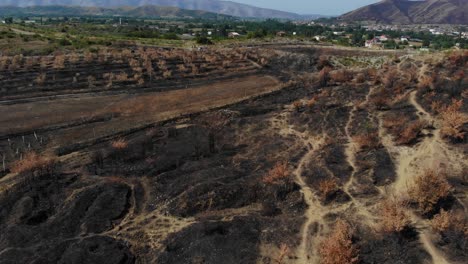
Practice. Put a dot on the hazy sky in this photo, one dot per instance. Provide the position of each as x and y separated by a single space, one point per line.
323 7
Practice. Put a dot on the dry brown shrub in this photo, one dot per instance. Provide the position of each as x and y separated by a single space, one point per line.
370 73
182 68
390 78
360 78
412 75
394 123
453 120
284 251
341 76
59 62
119 144
338 247
89 57
278 173
457 59
450 221
312 102
30 62
428 190
324 76
327 188
33 163
167 74
110 79
44 62
411 132
367 141
74 58
323 62
41 78
121 77
426 83
91 80
298 105
3 62
381 100
394 218
437 106
464 94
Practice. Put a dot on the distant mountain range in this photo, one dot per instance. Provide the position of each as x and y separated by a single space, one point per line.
412 12
141 11
215 6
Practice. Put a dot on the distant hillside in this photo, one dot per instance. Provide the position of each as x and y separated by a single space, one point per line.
143 11
409 12
215 6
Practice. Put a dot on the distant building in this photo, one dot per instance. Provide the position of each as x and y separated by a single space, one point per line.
383 38
337 33
233 35
373 43
405 38
320 38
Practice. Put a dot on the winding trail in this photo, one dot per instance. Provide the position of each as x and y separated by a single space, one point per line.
430 153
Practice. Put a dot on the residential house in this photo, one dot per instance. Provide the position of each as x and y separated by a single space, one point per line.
233 35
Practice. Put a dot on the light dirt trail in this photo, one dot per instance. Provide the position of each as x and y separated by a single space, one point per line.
430 153
350 150
306 252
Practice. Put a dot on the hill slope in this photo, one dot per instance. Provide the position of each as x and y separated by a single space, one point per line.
142 11
222 7
407 12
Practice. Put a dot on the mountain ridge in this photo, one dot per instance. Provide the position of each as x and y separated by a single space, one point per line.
412 12
216 6
140 11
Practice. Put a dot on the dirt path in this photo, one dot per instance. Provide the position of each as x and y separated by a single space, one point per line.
314 210
430 153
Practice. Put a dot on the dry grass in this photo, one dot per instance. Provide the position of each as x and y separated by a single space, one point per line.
32 163
428 190
338 247
277 174
394 218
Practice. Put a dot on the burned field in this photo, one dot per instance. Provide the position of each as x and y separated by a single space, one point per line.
267 154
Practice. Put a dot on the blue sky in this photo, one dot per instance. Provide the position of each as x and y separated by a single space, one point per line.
323 7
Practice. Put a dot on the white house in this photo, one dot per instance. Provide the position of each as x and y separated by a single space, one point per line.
383 38
233 34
